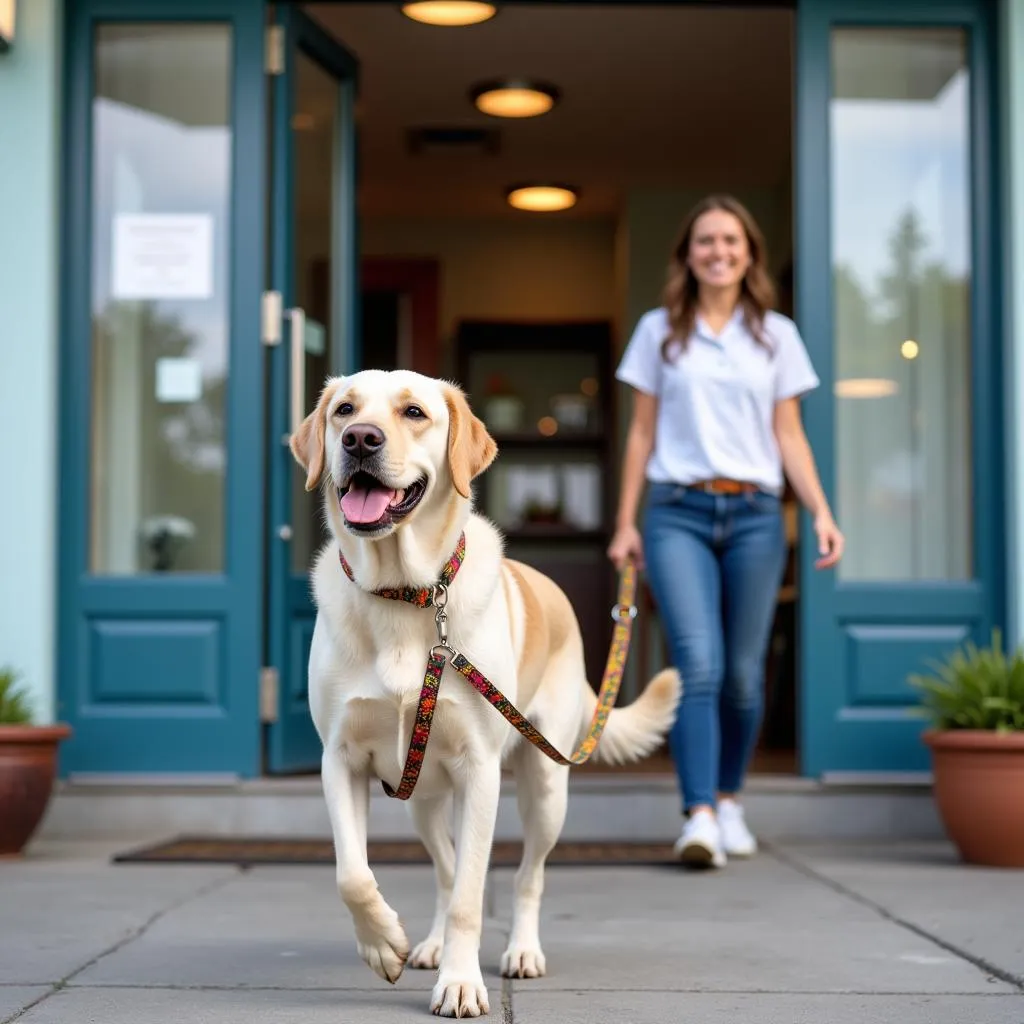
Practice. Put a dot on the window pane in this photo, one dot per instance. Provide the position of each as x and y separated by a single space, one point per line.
901 259
160 296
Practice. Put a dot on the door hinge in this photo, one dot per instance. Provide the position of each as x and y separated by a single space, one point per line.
274 57
271 318
269 692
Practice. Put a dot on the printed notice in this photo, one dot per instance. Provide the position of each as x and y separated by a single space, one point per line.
316 338
178 380
163 256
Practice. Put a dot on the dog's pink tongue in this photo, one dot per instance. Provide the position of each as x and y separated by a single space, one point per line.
365 505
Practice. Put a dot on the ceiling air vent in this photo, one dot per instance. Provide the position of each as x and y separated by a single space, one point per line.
440 139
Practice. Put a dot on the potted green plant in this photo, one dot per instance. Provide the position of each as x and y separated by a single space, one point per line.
28 764
975 700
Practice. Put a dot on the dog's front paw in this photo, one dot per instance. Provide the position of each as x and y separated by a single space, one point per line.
427 955
383 944
523 961
459 997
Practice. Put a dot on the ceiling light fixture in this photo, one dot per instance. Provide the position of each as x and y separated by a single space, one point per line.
514 97
449 13
542 198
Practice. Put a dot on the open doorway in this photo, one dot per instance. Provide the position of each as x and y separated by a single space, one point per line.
656 106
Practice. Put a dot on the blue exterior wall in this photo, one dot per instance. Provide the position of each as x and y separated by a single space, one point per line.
30 126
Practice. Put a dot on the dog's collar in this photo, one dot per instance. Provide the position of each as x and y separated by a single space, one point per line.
420 596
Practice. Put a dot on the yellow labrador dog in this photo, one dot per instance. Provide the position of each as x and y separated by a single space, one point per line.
394 454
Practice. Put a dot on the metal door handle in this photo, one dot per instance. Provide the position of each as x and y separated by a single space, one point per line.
297 404
297 316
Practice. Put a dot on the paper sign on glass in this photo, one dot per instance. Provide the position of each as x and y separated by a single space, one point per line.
178 380
316 338
162 256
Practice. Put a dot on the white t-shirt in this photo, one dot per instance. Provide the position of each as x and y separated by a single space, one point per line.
717 398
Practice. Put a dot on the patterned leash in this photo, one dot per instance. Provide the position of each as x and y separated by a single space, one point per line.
624 612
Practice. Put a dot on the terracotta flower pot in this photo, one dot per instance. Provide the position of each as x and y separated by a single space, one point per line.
28 763
979 782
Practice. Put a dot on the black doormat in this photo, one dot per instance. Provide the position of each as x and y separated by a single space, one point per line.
248 851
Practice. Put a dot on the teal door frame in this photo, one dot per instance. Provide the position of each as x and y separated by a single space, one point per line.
160 672
838 733
292 742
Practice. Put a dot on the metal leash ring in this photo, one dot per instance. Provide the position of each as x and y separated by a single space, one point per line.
623 611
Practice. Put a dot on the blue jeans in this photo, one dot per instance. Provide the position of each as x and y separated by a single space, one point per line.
714 564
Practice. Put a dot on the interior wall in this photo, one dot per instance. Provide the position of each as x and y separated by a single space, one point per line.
529 270
564 269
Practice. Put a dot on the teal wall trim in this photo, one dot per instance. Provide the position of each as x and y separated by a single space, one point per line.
29 171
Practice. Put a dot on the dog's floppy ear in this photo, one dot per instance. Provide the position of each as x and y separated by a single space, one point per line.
309 442
470 448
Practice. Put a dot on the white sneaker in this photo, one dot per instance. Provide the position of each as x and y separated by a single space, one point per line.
737 839
701 842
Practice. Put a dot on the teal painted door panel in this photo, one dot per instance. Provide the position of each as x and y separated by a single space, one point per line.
318 84
864 631
159 660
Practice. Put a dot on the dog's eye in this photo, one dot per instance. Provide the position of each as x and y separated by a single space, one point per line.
345 409
414 412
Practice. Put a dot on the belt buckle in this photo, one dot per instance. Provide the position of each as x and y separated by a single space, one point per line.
715 487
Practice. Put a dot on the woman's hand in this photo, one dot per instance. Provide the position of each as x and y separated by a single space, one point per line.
626 544
798 463
830 541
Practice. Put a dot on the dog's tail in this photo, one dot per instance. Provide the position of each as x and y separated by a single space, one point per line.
638 729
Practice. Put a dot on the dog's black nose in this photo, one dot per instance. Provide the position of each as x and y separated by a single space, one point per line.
362 439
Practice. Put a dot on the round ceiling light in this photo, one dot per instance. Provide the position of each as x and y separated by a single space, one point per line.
514 98
542 198
450 13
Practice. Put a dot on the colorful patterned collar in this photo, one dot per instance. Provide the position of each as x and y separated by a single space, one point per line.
423 597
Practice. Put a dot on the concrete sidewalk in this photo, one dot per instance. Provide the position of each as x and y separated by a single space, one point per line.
900 934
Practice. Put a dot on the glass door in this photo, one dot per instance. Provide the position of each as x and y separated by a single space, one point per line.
896 291
161 526
314 275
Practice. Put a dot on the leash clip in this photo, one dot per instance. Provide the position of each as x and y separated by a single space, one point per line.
440 599
441 619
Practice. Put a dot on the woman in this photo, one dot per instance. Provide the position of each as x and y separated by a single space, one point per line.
717 377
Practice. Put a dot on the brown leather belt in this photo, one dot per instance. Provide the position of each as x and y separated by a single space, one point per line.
720 485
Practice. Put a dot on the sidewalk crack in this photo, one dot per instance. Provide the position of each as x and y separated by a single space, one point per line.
1017 981
130 937
506 1001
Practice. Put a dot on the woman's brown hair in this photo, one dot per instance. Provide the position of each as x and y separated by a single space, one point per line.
757 292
